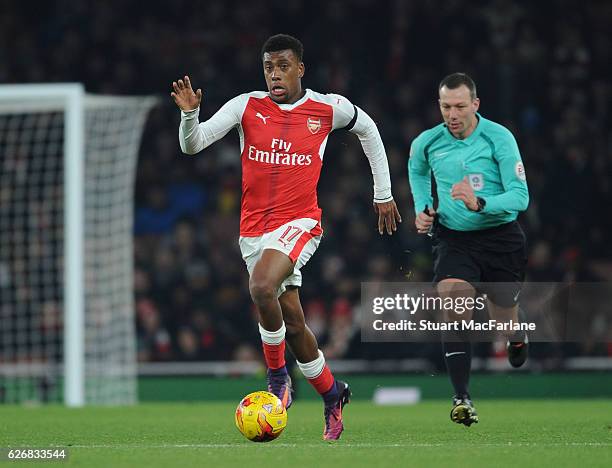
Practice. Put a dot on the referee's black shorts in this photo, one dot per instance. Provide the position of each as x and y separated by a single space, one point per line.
495 255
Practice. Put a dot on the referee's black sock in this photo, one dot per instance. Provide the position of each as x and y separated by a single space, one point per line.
519 336
458 358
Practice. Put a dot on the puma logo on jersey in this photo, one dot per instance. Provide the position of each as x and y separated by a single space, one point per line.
262 117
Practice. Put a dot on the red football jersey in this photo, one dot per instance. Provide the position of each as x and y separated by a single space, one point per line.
282 149
282 156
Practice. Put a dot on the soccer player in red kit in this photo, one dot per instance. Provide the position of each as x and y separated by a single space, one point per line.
283 133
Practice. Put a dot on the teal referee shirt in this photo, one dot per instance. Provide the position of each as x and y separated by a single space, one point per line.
491 160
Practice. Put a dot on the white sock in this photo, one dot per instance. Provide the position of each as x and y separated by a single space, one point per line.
272 337
314 368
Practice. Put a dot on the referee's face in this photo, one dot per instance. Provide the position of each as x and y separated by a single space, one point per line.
459 110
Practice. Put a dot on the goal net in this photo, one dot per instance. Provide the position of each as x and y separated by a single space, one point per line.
67 166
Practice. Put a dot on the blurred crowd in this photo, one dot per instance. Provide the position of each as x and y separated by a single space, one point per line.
542 69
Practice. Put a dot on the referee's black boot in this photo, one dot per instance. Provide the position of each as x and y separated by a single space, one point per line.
517 352
463 411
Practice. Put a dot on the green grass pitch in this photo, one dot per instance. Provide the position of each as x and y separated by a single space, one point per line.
558 433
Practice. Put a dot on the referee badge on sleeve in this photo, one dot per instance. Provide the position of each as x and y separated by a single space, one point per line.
519 170
476 181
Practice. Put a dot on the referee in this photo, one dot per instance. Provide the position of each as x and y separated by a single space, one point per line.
481 187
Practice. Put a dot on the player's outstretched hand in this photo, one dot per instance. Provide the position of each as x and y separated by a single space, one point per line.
183 95
388 217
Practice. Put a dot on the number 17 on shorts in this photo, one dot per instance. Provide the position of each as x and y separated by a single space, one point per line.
298 239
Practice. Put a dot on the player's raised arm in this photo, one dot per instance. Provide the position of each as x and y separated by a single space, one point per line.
195 136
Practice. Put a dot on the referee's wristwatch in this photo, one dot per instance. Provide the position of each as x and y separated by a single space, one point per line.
481 204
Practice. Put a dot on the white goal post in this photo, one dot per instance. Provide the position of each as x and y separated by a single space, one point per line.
66 307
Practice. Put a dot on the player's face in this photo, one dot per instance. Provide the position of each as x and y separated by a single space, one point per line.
283 73
459 110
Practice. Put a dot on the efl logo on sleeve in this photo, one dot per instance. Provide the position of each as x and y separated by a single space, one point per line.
476 181
519 169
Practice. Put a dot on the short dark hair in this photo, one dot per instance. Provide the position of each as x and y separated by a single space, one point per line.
283 42
454 80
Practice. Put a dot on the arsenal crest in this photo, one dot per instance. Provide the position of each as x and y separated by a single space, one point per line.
313 124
